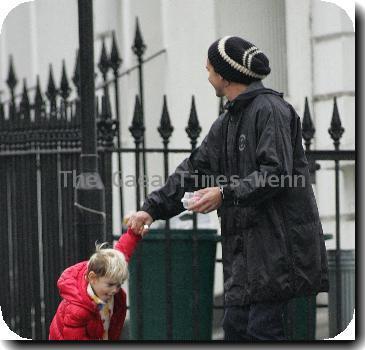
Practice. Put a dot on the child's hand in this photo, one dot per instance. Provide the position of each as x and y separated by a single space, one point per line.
140 222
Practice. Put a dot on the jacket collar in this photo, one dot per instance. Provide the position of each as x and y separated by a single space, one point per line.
241 101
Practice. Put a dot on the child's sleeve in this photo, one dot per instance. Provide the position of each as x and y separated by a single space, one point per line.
127 243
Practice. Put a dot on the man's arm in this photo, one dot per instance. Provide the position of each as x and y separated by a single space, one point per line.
165 202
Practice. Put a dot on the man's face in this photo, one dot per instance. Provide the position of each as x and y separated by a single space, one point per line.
216 80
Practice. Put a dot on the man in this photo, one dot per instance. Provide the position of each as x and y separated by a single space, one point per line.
272 240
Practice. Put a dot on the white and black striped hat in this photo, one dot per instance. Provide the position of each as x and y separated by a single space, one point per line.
236 59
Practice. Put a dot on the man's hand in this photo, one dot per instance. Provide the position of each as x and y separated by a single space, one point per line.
210 199
140 222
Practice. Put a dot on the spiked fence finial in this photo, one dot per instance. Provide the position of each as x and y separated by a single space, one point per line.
165 129
64 85
107 127
51 88
24 107
38 100
307 126
12 81
51 94
336 130
137 128
39 105
193 129
103 61
115 60
139 46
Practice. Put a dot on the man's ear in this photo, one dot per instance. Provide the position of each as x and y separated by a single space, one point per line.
226 82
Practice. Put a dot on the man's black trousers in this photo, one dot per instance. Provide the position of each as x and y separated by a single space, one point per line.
255 322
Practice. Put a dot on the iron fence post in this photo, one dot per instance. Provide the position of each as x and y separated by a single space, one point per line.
115 62
193 130
90 192
139 49
336 130
137 130
165 130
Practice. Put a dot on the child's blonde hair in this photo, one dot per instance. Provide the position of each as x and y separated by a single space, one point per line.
109 263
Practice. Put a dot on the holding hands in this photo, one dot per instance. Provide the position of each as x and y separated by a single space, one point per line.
140 222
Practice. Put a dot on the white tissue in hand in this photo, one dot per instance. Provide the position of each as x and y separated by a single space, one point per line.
189 199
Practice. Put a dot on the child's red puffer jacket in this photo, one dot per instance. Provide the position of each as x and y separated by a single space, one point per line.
77 316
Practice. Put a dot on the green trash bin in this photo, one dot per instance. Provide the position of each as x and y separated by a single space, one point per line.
301 319
151 323
347 280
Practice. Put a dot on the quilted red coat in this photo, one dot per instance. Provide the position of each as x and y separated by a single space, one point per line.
77 316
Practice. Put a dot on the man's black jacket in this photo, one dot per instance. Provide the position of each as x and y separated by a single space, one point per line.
272 239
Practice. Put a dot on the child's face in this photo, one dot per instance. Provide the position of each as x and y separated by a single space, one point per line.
103 287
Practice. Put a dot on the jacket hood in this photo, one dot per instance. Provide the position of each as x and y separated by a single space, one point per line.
72 285
254 89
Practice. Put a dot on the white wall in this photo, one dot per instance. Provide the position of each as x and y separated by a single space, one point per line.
36 34
333 62
13 31
299 52
261 22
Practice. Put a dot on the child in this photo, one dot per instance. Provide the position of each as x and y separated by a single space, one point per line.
94 305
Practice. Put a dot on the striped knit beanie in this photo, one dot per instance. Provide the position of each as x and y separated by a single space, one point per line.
236 59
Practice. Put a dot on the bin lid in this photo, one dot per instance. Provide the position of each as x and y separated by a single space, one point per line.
327 236
180 234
